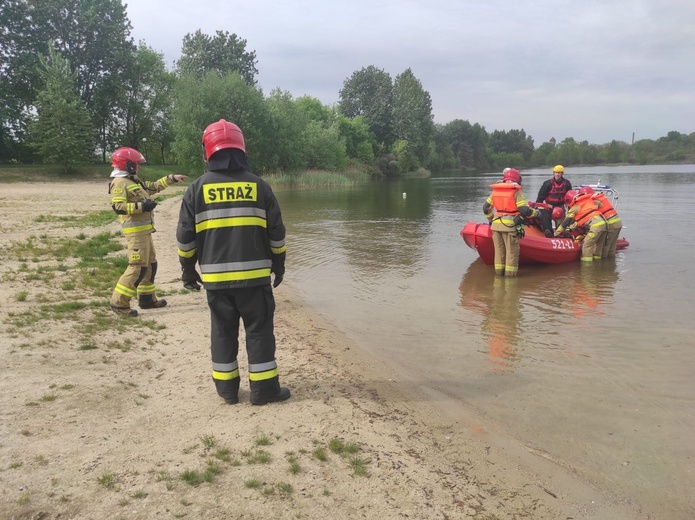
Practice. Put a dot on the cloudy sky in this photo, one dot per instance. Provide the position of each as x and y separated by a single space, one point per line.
589 69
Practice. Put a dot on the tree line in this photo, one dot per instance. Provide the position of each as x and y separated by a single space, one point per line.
74 86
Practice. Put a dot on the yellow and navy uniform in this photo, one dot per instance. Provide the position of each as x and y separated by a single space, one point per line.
231 225
507 201
128 194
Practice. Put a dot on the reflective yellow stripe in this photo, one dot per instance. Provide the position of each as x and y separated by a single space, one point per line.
278 250
146 289
125 291
262 376
186 254
230 222
116 200
234 276
138 228
225 376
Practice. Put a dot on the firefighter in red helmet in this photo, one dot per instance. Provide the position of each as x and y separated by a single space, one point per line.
230 224
130 200
505 209
613 223
584 213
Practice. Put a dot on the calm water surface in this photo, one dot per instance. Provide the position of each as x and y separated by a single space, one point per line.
591 366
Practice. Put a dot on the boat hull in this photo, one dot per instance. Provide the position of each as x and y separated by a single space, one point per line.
535 247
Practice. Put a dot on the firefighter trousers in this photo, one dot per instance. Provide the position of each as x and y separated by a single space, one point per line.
612 235
255 306
506 252
138 278
595 238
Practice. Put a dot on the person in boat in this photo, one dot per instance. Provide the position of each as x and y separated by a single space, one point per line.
553 192
613 223
505 209
584 213
544 220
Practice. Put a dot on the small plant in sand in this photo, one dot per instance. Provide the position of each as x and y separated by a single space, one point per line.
108 480
263 440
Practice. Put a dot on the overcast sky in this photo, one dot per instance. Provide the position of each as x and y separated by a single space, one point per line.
589 69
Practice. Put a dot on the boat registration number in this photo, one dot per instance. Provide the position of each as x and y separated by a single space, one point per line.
562 243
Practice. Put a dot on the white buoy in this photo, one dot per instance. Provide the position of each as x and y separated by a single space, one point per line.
404 195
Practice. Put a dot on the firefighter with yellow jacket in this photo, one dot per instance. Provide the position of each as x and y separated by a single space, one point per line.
130 200
584 213
507 220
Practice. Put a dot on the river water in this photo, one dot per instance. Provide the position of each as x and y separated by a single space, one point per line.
589 365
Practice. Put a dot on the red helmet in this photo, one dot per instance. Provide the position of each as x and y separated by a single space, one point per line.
558 213
569 196
221 135
127 159
510 174
584 190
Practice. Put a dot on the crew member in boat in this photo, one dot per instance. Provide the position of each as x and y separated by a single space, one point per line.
505 209
584 212
613 223
553 192
544 220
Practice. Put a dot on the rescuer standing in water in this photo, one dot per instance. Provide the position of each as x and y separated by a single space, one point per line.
507 220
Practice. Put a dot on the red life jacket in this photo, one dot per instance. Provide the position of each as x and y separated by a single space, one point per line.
587 209
556 195
606 209
503 198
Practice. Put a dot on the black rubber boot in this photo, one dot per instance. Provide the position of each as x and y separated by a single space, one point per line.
283 394
148 302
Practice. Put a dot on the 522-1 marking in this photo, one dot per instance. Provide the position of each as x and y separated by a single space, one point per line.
562 244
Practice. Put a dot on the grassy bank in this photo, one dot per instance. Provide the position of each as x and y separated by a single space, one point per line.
49 173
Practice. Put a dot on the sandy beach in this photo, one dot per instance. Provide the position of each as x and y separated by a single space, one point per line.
117 420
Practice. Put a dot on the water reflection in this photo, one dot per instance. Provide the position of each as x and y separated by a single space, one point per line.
528 311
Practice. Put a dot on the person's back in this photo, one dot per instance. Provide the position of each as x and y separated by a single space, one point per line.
230 223
237 218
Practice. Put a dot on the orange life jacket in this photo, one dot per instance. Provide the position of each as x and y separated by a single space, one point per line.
606 209
587 209
503 198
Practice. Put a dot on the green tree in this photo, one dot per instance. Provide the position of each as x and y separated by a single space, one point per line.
289 123
148 89
324 147
60 131
199 102
512 142
541 156
360 143
412 115
222 54
468 143
93 35
369 93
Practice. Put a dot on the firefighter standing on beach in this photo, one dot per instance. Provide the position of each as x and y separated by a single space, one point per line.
130 199
230 224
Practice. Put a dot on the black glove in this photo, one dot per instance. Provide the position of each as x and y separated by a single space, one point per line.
520 231
278 280
191 280
149 205
519 220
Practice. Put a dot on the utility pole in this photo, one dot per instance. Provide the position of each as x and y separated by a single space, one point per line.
144 142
